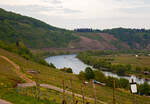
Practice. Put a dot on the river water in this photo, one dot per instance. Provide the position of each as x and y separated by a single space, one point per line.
70 61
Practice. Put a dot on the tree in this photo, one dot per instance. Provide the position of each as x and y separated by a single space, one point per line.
144 89
110 80
124 83
89 74
99 76
81 75
128 67
52 65
68 70
120 70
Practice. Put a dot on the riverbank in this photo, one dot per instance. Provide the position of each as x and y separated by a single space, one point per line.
109 62
73 62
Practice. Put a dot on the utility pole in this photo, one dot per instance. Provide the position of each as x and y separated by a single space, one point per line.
82 91
73 100
94 90
114 100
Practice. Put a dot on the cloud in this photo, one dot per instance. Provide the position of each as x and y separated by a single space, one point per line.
56 1
67 10
95 13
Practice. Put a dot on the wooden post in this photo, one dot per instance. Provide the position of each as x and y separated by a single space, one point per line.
37 89
94 90
134 102
64 98
82 91
73 100
114 101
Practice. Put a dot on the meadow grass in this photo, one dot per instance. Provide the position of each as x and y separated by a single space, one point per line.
143 61
16 98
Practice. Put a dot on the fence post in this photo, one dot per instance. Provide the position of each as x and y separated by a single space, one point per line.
64 97
114 100
73 100
82 91
94 90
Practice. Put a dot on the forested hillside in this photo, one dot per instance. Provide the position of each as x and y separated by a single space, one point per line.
120 38
34 33
135 38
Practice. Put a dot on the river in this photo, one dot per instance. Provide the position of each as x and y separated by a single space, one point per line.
70 61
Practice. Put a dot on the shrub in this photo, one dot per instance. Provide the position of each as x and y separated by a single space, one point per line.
144 89
124 83
68 70
89 74
99 76
52 65
110 82
81 76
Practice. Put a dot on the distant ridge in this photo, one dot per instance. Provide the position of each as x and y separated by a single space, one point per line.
36 34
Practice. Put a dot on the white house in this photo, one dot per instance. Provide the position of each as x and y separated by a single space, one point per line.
136 56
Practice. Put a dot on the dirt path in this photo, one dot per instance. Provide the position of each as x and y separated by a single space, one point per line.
57 89
20 74
32 83
4 102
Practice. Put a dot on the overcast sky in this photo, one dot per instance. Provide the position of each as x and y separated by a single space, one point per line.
72 14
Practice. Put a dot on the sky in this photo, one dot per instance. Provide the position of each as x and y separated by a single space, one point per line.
97 14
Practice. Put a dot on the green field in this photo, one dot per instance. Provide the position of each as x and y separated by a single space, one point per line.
142 61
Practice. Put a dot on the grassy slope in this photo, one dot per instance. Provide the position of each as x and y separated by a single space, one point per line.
8 82
54 77
8 76
34 33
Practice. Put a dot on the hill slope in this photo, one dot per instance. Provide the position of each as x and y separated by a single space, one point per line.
36 34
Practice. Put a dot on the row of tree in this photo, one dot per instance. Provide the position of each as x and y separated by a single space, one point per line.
22 50
132 37
105 63
87 30
88 74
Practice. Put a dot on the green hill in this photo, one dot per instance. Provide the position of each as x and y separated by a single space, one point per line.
34 33
135 38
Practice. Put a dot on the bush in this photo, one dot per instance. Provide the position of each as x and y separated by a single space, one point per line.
89 74
99 76
124 83
52 65
68 70
144 89
110 80
81 76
